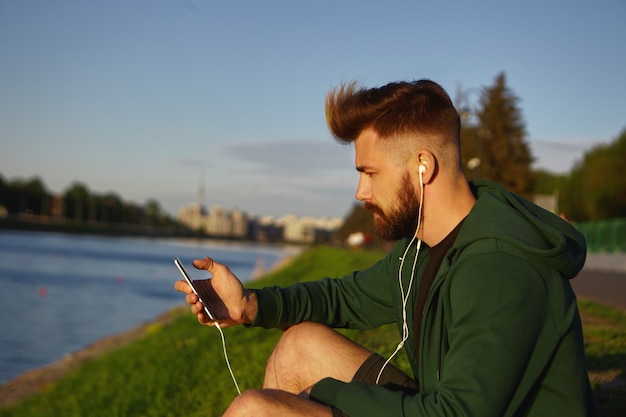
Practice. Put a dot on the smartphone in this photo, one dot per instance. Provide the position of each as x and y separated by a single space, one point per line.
193 288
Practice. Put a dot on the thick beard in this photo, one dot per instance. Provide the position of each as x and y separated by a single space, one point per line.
401 221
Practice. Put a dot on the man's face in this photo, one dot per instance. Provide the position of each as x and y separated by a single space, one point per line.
386 189
400 220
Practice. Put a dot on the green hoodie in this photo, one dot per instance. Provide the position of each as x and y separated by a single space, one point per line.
501 333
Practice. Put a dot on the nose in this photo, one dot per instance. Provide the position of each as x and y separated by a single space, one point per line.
363 190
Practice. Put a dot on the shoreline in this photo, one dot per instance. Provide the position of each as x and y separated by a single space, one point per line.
31 382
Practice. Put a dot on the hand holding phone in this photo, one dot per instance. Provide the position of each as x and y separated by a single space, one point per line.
211 316
193 288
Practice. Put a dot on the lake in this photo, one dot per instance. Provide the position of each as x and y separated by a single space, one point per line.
60 293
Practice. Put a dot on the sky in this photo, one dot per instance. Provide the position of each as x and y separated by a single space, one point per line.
222 102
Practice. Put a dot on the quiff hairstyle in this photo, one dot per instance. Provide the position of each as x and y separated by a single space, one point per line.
397 110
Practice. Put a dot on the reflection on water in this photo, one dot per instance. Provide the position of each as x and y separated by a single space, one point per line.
59 293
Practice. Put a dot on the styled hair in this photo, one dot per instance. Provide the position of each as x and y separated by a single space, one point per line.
394 110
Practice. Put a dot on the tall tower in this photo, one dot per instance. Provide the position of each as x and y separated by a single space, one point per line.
201 190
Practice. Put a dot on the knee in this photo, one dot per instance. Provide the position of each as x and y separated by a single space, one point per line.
248 403
297 347
302 337
296 342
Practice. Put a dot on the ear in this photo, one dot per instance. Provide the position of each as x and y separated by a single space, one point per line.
423 162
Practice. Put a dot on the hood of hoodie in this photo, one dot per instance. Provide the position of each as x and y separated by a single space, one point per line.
503 215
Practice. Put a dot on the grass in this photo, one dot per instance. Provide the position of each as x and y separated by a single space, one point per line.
179 370
604 329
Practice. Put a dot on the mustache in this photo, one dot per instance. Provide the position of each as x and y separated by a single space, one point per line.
373 208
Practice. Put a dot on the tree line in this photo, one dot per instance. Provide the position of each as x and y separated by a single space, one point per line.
77 204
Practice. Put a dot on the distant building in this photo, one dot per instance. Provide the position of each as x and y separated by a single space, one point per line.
217 222
267 229
192 216
239 223
298 230
236 224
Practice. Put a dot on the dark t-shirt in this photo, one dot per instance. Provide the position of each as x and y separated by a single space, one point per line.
435 258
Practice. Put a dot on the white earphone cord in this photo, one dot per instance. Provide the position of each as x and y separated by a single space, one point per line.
405 298
230 369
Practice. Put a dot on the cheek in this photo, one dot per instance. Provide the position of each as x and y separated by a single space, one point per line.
385 197
386 189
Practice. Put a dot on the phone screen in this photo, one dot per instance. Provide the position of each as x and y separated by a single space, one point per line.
193 288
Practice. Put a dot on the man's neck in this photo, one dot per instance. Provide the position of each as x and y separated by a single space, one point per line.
445 206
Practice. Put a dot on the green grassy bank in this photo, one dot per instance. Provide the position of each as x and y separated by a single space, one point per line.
178 369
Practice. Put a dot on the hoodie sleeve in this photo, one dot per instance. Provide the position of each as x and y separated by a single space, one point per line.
361 300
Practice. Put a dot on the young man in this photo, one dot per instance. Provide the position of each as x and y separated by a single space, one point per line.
477 284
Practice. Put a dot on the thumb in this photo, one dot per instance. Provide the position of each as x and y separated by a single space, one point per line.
206 264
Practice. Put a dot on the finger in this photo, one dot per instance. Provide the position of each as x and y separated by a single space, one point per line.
197 308
203 319
191 298
207 264
182 286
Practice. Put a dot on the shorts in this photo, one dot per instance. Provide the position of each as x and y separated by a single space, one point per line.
392 378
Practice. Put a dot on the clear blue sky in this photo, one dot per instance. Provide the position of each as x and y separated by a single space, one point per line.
156 99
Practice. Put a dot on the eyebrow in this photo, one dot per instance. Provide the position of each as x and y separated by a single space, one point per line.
364 166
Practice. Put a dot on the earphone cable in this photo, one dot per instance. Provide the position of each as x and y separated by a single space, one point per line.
405 298
230 369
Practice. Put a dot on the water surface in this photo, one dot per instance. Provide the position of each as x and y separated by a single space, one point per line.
60 293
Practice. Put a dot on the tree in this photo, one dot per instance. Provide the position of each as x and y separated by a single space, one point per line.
4 191
76 200
571 199
546 182
153 212
597 186
494 145
28 196
113 208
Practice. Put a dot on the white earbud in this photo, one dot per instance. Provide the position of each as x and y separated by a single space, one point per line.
421 169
